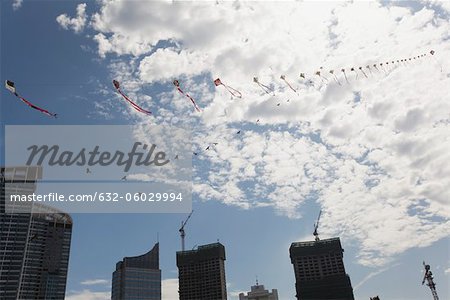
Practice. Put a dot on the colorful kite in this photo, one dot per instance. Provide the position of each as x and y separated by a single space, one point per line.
231 90
176 83
265 88
135 106
283 77
10 86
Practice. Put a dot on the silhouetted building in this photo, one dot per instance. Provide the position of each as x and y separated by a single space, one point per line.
319 270
34 241
201 273
259 293
138 277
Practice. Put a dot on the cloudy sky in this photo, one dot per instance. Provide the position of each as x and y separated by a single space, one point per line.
370 148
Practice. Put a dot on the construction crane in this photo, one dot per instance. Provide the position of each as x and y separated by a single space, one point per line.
428 276
182 233
316 225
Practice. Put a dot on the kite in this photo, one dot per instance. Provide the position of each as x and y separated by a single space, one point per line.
353 70
265 88
176 83
345 75
322 77
135 106
432 53
231 90
335 78
10 86
283 77
361 69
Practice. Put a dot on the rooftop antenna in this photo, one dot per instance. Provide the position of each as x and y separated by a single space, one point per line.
257 283
428 276
181 230
316 225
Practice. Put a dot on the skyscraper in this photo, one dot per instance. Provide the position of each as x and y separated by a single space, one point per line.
34 247
138 277
201 273
319 270
259 293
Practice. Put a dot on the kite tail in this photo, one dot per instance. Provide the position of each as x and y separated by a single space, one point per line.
233 91
135 106
190 98
336 79
290 86
265 88
193 102
36 107
437 61
364 73
345 75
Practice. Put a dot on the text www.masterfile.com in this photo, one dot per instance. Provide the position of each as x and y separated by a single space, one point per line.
98 196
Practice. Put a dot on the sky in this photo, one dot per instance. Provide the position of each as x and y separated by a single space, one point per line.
370 151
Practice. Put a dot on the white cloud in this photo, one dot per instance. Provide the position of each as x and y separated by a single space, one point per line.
17 4
76 24
169 288
95 282
88 295
371 275
373 151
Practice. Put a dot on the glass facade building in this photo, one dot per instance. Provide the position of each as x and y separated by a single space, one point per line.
319 270
201 273
34 241
138 277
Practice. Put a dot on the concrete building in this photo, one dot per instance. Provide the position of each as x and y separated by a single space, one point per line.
259 293
138 277
34 242
201 273
319 270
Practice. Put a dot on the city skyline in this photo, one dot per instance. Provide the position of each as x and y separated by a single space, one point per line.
368 147
35 241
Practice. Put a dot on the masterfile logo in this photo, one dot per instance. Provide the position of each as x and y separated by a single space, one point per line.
53 156
106 168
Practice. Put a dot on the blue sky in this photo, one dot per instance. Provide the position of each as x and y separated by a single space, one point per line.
256 215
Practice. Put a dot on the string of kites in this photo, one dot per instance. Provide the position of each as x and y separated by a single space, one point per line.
233 92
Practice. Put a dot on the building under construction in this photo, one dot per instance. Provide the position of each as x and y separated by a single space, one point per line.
319 270
34 241
201 273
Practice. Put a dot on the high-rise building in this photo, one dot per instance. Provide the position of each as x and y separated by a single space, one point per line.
201 273
138 277
259 293
319 270
34 241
